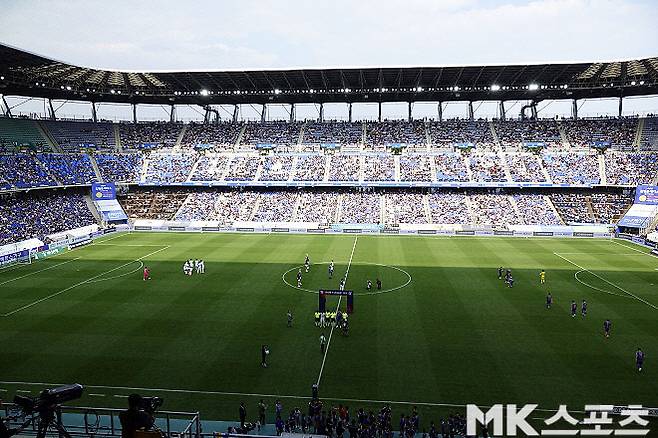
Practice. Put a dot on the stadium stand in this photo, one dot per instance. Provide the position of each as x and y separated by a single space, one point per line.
487 167
74 136
319 207
278 133
649 138
147 135
15 132
449 208
222 134
242 168
455 131
450 167
209 168
38 214
493 210
571 167
275 207
153 204
415 167
169 168
119 167
360 208
23 170
536 210
310 168
276 168
378 167
395 132
525 167
405 208
69 169
620 132
343 133
513 133
631 168
345 167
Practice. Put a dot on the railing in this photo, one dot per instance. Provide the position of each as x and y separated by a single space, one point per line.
85 421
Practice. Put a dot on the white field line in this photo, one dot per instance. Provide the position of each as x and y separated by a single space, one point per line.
254 394
36 272
127 244
596 288
81 283
121 234
141 265
602 254
609 282
326 350
630 247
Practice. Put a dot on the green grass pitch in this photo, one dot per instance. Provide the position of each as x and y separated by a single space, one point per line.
449 334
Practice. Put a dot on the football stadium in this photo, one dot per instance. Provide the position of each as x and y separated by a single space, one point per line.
328 251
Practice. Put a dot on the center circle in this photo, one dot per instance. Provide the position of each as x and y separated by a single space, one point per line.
392 277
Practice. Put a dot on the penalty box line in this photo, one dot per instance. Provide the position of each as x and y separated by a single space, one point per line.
609 282
331 332
90 279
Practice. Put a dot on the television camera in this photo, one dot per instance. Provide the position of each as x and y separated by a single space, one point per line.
41 410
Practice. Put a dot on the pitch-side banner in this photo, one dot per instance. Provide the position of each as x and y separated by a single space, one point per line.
103 191
647 195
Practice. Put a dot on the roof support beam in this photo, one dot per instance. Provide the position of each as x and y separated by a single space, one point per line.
574 109
349 112
94 116
501 109
51 110
471 116
236 113
134 113
172 114
439 109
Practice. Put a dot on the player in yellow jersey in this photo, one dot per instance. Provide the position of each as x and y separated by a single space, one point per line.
542 277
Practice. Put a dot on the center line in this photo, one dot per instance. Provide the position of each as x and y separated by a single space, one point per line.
326 350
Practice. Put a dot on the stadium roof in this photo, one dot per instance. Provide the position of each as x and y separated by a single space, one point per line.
26 74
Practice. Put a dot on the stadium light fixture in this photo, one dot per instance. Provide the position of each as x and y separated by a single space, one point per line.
533 87
419 89
641 82
277 91
633 82
68 88
2 78
112 91
495 87
204 92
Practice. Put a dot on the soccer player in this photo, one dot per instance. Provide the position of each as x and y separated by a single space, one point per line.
369 285
307 263
574 308
289 318
317 319
197 266
500 273
201 267
549 300
542 277
607 325
147 273
342 284
379 284
322 319
299 278
583 309
323 343
331 269
187 269
510 282
639 359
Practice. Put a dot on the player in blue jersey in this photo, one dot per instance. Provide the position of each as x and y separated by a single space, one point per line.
549 300
639 359
607 325
574 308
583 308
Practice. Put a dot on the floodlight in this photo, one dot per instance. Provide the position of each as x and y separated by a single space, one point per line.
533 87
633 83
495 87
112 91
205 92
68 88
277 91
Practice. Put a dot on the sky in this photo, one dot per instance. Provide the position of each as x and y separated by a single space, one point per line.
214 35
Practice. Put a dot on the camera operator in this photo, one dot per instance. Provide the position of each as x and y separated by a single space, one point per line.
135 418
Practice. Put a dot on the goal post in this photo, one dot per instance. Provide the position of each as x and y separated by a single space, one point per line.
322 298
